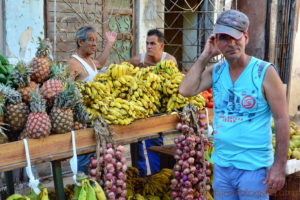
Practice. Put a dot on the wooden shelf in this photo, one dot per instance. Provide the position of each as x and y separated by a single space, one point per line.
57 147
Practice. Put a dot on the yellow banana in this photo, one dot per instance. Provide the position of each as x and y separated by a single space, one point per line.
43 194
83 191
98 190
17 197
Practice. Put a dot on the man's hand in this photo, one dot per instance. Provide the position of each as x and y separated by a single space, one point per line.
275 178
111 36
211 48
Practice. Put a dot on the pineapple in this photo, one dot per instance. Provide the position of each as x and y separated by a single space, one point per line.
81 117
22 78
61 114
16 110
2 106
54 85
41 63
38 123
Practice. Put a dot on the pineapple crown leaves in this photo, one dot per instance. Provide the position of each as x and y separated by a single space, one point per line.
58 71
37 103
11 95
44 48
2 103
22 73
68 98
80 113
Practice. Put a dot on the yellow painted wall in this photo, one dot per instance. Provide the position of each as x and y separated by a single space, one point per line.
294 86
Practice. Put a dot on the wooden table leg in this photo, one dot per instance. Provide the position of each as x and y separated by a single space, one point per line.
58 180
134 154
9 179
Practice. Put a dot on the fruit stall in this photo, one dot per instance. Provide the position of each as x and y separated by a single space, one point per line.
59 146
39 103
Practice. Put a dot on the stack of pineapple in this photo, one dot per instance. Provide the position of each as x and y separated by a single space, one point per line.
41 99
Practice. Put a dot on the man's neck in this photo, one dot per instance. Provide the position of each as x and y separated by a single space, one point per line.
155 58
239 63
82 54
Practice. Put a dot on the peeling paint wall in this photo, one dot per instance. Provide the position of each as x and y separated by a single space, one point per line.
24 23
147 19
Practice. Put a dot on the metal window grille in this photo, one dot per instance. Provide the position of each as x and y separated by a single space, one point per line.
187 25
284 37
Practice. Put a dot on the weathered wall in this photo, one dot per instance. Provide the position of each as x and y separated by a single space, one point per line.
69 17
294 86
257 16
148 13
24 23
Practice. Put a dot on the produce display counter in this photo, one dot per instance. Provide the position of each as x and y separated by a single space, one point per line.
55 148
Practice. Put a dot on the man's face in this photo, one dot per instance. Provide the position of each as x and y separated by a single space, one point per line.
90 44
153 46
230 47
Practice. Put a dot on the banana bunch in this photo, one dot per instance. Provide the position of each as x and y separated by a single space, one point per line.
6 71
154 187
125 93
17 197
118 70
158 184
89 190
171 85
150 77
166 68
43 195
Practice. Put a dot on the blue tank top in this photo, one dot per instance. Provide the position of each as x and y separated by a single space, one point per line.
242 118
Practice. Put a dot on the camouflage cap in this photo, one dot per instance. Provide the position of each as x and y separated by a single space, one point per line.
232 22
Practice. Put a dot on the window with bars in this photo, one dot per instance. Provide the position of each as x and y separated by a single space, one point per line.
187 25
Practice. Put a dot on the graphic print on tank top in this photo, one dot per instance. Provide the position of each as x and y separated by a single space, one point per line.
240 100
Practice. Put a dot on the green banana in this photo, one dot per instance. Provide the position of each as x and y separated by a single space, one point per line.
83 191
91 194
77 190
17 197
98 190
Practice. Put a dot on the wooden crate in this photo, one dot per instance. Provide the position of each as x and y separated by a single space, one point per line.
291 189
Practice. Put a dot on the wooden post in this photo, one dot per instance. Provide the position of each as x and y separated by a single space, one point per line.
58 180
134 154
9 182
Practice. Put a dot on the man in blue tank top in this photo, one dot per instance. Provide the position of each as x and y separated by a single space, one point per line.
247 93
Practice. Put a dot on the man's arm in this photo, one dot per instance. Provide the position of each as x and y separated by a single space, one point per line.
135 60
75 69
276 97
111 39
199 78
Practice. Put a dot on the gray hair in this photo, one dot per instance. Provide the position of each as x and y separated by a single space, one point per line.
82 33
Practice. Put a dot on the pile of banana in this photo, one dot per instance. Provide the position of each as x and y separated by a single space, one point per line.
88 190
125 93
43 195
155 187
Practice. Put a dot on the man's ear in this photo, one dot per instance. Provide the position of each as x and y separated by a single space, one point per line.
162 45
246 37
80 42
